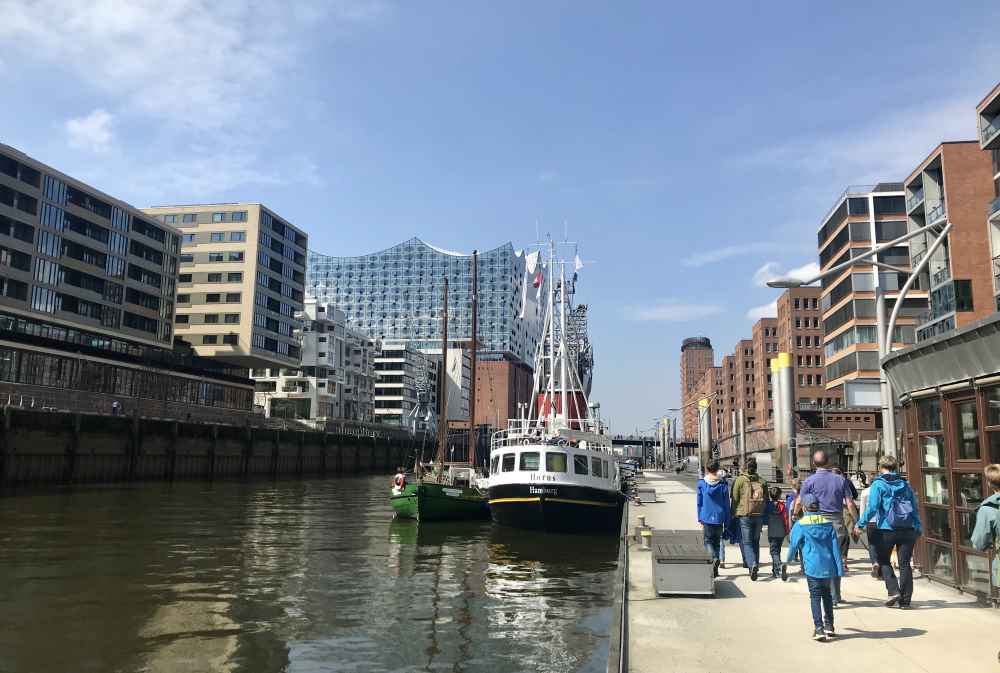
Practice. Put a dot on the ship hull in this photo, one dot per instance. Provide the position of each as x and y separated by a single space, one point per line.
428 501
557 508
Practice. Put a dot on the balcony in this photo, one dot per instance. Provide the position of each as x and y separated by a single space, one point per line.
935 213
940 277
996 273
914 200
990 131
993 209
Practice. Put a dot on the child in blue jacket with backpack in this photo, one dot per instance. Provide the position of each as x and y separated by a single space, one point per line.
814 538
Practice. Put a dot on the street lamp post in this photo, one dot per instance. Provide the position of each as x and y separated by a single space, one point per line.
883 336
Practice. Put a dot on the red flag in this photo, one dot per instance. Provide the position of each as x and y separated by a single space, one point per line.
538 280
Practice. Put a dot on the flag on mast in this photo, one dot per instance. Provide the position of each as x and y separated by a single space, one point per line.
530 265
577 263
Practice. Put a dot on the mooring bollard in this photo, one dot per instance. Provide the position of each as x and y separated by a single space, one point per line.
647 537
642 521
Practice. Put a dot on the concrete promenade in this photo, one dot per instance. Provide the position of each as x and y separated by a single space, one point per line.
766 626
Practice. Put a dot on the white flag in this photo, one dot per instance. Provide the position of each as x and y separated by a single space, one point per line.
577 263
530 262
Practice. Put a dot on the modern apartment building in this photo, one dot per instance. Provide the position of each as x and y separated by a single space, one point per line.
503 389
397 295
861 218
87 289
406 379
988 112
242 280
696 356
336 377
951 185
800 332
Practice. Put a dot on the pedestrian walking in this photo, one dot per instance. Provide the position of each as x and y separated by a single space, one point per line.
116 408
749 499
892 502
777 528
834 497
713 511
815 540
871 530
986 534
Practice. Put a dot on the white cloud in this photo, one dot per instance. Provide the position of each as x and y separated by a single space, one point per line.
720 254
772 270
670 311
91 133
764 311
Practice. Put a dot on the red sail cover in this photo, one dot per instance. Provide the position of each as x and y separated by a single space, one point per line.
575 400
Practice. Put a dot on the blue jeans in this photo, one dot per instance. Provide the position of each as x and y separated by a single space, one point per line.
750 527
713 538
820 596
775 543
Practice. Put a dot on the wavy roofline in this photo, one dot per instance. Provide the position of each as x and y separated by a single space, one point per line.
415 239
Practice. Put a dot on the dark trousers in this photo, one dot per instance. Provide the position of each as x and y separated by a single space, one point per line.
750 527
821 600
871 532
713 539
775 544
902 541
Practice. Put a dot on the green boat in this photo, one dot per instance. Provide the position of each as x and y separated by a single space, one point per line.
431 501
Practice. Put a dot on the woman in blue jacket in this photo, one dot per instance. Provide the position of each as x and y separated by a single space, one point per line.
894 506
713 510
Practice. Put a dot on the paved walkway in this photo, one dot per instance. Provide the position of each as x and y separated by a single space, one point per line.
766 626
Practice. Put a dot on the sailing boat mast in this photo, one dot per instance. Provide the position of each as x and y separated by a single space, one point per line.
563 355
443 384
473 433
552 342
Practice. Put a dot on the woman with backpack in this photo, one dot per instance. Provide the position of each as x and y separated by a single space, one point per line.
894 507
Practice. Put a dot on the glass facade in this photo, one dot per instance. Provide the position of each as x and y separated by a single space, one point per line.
396 294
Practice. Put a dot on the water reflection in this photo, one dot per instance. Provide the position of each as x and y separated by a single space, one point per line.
288 576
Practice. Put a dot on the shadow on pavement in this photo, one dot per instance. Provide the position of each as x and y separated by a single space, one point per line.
898 633
727 589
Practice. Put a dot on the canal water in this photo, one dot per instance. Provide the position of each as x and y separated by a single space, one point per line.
297 576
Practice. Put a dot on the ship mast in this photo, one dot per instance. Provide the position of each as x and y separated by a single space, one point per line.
550 413
473 433
443 385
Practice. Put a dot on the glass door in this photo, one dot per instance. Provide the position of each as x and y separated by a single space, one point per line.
934 491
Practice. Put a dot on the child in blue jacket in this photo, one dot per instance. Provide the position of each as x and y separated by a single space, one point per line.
814 537
713 511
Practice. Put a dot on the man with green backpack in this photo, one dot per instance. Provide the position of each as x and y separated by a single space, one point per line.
749 498
894 505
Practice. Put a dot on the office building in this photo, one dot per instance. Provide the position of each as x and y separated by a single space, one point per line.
746 381
951 185
861 218
696 356
503 389
87 289
242 280
406 389
336 377
988 112
397 295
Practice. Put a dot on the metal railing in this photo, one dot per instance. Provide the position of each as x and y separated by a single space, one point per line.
912 202
936 213
993 207
989 131
940 276
996 272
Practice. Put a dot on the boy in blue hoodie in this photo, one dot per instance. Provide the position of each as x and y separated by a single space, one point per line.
814 538
713 511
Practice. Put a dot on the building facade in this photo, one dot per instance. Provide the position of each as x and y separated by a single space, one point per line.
860 219
988 112
696 356
406 385
951 185
87 292
241 282
397 295
800 332
765 346
503 389
336 377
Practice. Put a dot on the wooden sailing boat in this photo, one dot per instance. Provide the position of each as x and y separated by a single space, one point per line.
446 494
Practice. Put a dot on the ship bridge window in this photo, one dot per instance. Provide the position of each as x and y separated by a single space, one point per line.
508 462
607 472
580 464
555 461
530 461
595 467
494 464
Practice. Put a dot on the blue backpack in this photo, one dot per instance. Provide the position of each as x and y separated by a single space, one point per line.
900 514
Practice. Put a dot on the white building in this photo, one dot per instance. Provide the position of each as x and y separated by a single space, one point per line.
336 378
406 385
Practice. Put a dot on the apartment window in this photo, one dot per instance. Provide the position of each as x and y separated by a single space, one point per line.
802 380
798 342
215 278
217 236
187 259
189 218
188 238
181 319
819 379
212 318
232 297
210 339
800 361
216 257
232 318
237 235
236 256
183 299
170 219
213 298
230 339
795 303
239 216
963 295
798 323
218 217
235 277
184 278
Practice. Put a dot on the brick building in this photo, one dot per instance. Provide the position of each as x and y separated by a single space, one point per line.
800 332
502 384
696 356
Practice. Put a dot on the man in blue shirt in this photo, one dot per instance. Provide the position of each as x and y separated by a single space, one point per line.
833 494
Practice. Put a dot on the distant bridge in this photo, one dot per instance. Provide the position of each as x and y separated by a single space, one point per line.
633 440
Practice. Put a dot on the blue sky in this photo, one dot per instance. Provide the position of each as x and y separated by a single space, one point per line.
692 148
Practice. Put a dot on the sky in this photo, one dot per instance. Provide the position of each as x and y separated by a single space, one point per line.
692 149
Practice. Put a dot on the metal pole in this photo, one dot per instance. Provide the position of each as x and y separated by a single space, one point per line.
776 400
443 383
473 433
742 446
704 432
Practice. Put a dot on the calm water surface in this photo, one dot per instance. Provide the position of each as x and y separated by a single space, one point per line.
297 576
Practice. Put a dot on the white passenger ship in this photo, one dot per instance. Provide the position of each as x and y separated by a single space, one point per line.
555 470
